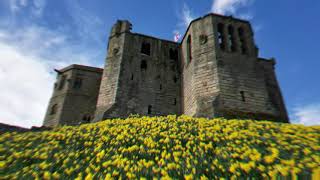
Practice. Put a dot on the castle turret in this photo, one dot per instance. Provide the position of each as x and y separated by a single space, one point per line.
74 97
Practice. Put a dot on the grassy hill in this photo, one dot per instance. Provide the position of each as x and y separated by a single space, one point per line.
176 147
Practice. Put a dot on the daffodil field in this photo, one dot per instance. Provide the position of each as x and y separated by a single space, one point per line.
168 147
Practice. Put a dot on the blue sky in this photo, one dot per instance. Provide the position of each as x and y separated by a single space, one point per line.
39 35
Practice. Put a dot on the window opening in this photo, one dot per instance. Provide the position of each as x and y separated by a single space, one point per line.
175 79
54 109
149 109
221 36
231 39
143 65
243 98
145 48
86 118
243 44
173 53
62 82
189 49
77 83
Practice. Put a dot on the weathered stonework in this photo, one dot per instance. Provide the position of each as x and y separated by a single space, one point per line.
74 99
215 71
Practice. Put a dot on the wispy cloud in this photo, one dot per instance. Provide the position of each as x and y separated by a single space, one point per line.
307 114
224 7
185 16
36 6
29 52
16 5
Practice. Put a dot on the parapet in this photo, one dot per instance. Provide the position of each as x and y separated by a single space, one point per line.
80 67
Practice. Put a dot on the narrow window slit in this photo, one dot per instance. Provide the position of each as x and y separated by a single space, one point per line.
243 44
149 109
143 65
231 39
189 49
243 98
221 36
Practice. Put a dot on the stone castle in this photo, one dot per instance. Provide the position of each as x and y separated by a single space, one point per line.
215 71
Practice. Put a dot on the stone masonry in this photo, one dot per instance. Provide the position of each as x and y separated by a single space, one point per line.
214 72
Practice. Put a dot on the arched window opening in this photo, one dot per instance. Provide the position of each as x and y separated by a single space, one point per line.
54 109
243 44
149 109
145 48
160 87
243 98
77 83
143 65
131 76
221 36
175 101
173 53
189 49
231 39
62 82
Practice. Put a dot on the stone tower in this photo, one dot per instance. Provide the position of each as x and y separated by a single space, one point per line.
141 75
214 72
74 97
223 75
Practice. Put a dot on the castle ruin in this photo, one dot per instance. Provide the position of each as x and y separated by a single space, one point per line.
215 71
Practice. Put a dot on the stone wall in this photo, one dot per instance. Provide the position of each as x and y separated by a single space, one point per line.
200 79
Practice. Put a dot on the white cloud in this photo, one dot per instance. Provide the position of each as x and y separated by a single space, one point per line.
307 115
228 6
28 54
185 17
28 57
26 85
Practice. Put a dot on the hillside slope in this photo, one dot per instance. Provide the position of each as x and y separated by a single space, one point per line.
177 147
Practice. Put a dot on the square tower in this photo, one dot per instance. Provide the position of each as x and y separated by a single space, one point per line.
223 75
141 75
74 97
